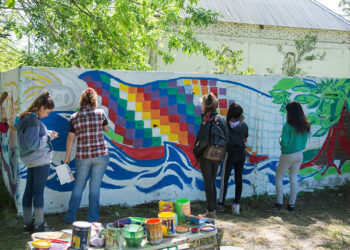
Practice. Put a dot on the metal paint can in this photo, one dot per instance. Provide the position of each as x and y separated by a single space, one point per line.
81 235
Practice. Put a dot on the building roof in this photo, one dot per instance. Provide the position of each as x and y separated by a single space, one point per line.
287 13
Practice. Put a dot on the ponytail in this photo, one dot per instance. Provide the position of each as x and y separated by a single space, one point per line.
43 100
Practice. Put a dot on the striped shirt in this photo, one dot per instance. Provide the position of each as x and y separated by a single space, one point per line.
87 125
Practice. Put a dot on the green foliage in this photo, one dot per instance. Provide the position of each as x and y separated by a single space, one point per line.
9 55
326 98
345 5
292 60
227 61
123 34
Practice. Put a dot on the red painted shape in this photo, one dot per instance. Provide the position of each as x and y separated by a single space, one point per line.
119 130
112 115
183 126
214 90
337 131
174 118
155 104
147 97
163 112
256 158
204 82
104 101
140 90
222 103
150 153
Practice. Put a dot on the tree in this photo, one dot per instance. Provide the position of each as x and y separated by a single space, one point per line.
303 47
110 34
345 5
227 61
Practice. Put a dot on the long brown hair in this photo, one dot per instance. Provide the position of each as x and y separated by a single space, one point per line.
209 102
88 97
43 100
296 117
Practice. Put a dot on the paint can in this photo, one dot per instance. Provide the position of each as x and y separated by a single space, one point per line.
168 223
114 237
133 235
154 231
80 235
182 208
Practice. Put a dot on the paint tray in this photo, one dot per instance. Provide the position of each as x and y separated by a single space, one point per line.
199 220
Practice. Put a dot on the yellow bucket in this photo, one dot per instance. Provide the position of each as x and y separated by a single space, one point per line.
168 222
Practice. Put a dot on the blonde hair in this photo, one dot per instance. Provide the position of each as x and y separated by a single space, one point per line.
88 97
209 102
43 100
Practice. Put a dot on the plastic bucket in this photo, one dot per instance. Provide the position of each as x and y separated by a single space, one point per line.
81 235
182 208
114 237
168 222
154 231
133 235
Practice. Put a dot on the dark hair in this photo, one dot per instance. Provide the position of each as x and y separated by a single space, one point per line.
296 117
88 97
209 102
234 111
43 100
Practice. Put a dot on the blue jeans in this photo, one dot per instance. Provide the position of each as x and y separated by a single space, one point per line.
83 168
34 191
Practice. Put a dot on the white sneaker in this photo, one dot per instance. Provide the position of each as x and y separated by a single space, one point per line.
235 208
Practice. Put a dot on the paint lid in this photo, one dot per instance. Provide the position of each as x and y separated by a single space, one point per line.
41 244
82 224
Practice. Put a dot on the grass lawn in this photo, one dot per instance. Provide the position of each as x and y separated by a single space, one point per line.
321 221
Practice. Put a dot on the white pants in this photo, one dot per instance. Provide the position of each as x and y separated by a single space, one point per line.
291 162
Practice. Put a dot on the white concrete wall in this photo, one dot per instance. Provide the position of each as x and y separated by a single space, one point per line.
260 51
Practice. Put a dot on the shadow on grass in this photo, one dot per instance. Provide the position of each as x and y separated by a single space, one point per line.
328 206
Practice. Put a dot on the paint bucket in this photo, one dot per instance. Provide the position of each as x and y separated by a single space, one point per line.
81 235
133 235
154 231
168 223
166 206
114 237
182 208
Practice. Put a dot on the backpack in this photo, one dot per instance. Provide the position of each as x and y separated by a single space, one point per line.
216 149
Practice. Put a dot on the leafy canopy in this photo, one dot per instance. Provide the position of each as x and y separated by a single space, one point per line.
108 34
303 47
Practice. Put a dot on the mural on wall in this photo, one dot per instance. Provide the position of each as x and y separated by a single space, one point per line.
328 106
153 124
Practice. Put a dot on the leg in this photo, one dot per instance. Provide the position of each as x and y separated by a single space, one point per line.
206 169
40 177
27 200
239 164
97 171
281 170
293 177
82 171
214 173
228 169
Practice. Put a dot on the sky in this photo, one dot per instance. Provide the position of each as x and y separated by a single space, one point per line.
331 4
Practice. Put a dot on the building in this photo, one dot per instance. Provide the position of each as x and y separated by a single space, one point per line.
257 28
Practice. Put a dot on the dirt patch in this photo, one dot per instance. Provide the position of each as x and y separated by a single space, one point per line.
321 221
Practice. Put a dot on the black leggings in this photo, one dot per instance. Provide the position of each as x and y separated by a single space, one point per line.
235 160
209 172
